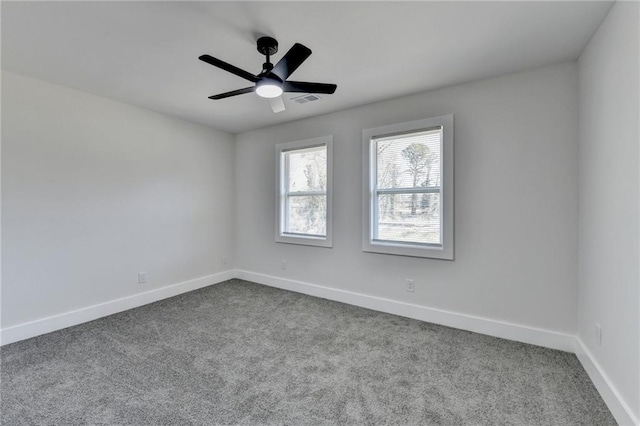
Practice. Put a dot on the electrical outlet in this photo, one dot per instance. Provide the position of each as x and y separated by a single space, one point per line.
411 286
598 335
142 277
224 260
283 264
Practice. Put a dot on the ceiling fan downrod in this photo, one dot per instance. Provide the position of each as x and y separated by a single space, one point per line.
267 46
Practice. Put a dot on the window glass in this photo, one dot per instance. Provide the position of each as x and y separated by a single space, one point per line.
408 188
304 192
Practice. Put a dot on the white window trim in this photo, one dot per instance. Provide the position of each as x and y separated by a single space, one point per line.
307 240
443 251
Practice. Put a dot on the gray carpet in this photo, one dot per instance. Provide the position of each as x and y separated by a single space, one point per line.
242 353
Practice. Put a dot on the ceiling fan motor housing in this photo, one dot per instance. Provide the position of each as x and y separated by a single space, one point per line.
267 45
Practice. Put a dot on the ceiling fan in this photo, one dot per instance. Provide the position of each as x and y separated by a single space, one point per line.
272 81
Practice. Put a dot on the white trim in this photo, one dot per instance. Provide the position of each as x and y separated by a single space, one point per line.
90 313
301 145
520 333
441 251
618 407
516 332
505 330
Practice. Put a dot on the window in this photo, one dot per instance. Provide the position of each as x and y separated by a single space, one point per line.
303 208
408 197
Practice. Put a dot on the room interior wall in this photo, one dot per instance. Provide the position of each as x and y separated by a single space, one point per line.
515 203
609 199
95 191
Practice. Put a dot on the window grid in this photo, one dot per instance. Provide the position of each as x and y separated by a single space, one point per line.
375 204
288 194
408 202
300 194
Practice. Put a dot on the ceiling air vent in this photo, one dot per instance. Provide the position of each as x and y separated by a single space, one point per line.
306 98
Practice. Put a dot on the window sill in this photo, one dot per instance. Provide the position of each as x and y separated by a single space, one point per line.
305 240
400 249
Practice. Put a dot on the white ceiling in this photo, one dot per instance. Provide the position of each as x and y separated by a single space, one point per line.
146 53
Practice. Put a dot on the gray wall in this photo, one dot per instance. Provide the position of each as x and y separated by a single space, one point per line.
609 289
95 190
516 141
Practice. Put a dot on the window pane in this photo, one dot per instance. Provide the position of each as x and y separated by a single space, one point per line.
308 169
307 215
410 160
411 218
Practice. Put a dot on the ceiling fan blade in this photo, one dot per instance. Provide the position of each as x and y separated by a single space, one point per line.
291 61
229 68
233 93
277 104
304 87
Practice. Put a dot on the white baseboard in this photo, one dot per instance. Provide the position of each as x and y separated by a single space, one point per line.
79 316
505 330
618 407
546 338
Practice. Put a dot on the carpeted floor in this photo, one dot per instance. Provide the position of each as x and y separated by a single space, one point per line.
242 353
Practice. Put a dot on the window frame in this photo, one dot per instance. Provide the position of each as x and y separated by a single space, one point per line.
370 244
282 196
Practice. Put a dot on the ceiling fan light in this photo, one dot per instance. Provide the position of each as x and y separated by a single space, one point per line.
269 89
